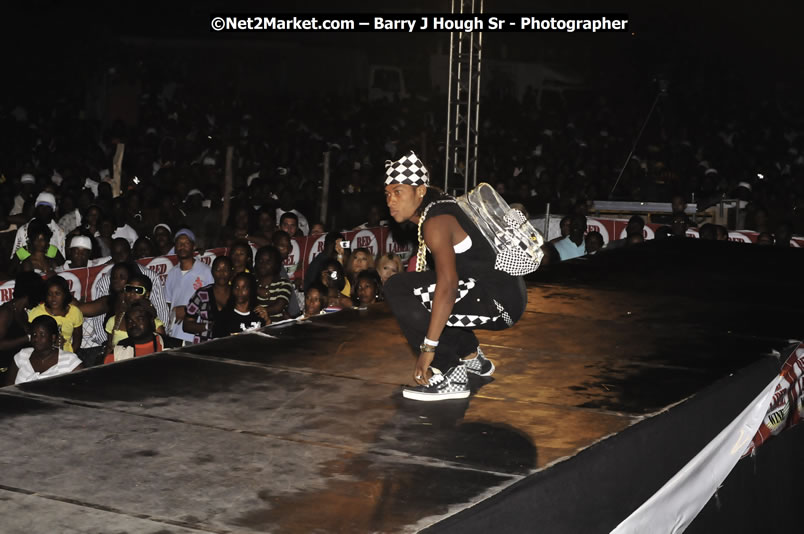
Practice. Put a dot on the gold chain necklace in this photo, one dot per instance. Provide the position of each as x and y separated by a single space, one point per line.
421 254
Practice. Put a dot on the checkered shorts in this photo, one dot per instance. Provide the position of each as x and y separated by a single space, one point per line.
463 320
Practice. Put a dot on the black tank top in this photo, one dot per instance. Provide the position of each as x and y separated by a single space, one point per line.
478 262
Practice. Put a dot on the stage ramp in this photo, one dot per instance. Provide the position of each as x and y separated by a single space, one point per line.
305 430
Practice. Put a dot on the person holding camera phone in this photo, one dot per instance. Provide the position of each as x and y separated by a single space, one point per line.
438 309
334 279
335 248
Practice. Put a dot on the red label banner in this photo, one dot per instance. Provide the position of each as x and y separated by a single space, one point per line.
785 409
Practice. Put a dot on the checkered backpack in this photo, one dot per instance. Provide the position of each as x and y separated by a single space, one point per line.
508 231
517 243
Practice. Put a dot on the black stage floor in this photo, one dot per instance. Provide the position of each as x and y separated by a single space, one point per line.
307 431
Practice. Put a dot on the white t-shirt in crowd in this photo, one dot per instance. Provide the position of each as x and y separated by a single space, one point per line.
67 362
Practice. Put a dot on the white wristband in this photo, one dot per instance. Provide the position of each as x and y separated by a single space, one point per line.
430 342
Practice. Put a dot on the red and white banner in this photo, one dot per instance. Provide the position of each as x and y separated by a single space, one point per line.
680 500
786 406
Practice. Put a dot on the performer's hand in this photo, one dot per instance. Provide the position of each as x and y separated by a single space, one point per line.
421 373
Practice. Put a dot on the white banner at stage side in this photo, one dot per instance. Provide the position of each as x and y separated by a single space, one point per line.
680 500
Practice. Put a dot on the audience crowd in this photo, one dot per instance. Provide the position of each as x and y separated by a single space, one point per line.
77 192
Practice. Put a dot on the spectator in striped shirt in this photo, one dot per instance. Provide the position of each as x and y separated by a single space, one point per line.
273 291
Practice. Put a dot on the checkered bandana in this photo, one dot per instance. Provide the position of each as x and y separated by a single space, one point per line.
407 170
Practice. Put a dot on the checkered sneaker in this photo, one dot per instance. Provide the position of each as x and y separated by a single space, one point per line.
480 365
426 293
407 170
454 384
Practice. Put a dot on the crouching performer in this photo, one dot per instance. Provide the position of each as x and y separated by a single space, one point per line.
438 309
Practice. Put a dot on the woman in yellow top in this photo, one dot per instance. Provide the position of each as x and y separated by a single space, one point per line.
138 288
58 304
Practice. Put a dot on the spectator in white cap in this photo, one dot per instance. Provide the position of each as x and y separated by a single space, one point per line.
182 282
26 194
44 209
79 254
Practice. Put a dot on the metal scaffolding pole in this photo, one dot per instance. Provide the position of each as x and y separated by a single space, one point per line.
463 103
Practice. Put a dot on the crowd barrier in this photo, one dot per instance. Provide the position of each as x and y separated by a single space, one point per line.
83 281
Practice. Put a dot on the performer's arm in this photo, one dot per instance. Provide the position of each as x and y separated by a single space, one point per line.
437 233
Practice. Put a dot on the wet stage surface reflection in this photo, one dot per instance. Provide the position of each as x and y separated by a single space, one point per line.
307 431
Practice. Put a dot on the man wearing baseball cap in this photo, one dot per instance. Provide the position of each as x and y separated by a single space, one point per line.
79 253
182 282
44 209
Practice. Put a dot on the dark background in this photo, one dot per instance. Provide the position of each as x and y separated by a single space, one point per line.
47 42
